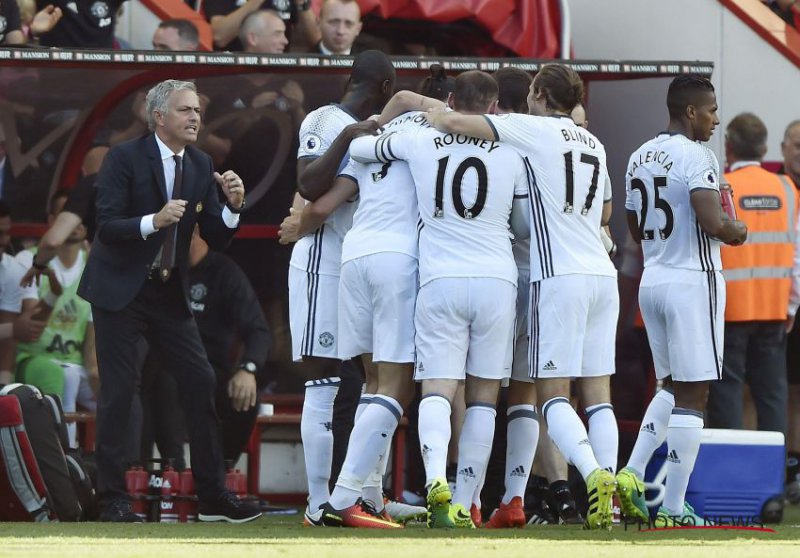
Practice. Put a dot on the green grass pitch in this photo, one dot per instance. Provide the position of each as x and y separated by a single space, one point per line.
284 537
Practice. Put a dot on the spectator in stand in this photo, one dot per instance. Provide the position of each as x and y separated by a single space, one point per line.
787 10
226 310
85 23
176 34
762 284
339 26
791 167
63 360
14 325
11 23
263 32
226 17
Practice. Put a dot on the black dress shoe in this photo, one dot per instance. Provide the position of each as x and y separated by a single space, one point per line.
227 507
119 511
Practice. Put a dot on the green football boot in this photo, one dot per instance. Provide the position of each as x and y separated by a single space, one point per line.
630 489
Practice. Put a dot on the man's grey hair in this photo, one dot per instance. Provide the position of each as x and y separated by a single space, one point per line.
158 97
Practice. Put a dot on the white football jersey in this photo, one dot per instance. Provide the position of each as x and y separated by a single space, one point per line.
522 254
659 181
321 252
387 216
465 191
569 184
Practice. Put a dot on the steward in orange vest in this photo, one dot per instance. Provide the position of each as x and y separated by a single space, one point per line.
760 281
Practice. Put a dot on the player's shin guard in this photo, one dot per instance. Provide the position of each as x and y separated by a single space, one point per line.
569 435
434 435
523 437
474 448
604 435
653 431
317 435
683 444
369 440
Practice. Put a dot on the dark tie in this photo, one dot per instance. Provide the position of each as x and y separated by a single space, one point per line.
168 248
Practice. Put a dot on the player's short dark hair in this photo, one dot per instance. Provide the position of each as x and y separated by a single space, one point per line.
438 85
684 91
57 195
372 67
187 30
514 85
5 210
474 91
746 136
561 85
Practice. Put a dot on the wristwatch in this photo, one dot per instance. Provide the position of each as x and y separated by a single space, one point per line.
235 210
248 366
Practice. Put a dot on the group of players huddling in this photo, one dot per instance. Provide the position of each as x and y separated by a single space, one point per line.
466 246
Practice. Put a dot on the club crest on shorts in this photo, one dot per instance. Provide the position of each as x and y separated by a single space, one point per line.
326 339
199 207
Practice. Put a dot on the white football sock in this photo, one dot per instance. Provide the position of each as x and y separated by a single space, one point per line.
604 435
569 435
476 496
317 435
362 404
434 435
653 431
373 485
474 448
369 440
522 439
683 444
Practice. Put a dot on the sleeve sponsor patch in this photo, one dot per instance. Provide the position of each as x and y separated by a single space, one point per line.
312 143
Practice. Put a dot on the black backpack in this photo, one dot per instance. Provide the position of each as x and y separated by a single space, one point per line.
69 491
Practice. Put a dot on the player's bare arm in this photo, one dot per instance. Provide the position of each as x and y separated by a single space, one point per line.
632 218
316 176
475 126
714 221
404 101
301 222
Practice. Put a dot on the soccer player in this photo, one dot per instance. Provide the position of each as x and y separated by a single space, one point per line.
524 436
316 260
377 292
573 297
467 189
674 211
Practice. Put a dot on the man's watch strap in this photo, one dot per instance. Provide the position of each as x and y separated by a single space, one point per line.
248 366
234 209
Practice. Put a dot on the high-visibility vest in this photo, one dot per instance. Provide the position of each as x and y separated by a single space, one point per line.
758 274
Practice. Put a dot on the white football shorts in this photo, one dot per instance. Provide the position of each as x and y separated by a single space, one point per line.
573 325
520 369
313 314
684 315
465 326
377 294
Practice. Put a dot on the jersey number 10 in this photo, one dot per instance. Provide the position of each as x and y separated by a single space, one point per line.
458 201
